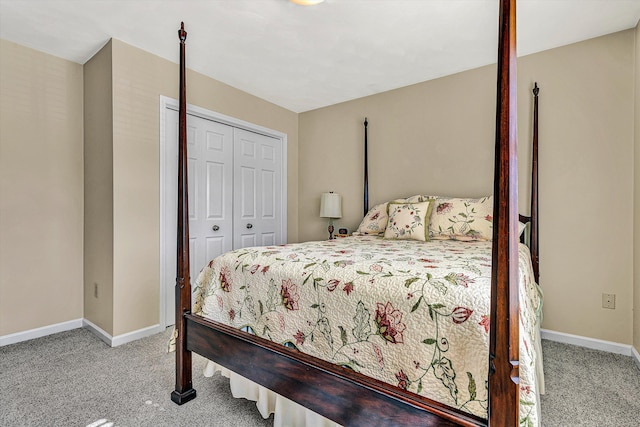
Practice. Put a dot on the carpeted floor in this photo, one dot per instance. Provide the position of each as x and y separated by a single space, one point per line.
589 388
74 379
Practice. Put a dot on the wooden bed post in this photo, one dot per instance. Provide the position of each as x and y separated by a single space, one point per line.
504 337
184 391
534 243
366 168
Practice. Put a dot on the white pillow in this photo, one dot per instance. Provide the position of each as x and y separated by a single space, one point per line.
521 228
419 198
408 221
375 221
462 219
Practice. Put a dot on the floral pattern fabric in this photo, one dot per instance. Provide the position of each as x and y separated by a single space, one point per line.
413 314
420 198
408 221
462 219
375 221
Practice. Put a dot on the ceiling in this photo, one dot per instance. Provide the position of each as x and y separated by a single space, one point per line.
306 57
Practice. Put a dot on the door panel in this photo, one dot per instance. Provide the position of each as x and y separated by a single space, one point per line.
247 240
235 185
211 152
268 239
257 198
194 255
247 193
210 181
214 247
268 194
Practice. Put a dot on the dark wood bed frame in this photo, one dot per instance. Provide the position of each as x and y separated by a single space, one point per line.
338 393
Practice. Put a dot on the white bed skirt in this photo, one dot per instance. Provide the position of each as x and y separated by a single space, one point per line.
286 413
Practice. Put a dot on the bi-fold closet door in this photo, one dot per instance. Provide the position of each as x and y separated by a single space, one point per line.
235 182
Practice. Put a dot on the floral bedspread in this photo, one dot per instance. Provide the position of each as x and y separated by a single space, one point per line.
413 314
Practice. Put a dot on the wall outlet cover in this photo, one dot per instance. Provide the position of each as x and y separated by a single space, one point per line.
609 301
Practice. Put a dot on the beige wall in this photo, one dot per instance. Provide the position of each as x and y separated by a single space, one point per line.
41 190
449 119
587 145
636 198
139 78
587 185
43 257
98 190
437 138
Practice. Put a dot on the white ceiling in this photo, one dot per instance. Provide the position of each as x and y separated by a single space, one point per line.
303 58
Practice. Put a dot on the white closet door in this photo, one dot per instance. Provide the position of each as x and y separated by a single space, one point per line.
235 180
210 152
257 189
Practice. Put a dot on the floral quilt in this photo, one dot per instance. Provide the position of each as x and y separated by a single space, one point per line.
413 314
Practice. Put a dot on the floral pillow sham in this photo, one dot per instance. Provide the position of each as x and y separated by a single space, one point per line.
417 198
445 218
462 219
375 221
408 221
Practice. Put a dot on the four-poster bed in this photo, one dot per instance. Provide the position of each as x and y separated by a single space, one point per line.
335 391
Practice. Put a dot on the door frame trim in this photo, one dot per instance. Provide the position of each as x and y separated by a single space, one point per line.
168 200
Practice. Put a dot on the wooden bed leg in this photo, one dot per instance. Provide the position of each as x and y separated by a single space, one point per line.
184 391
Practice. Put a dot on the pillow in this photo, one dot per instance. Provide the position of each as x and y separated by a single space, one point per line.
375 221
408 221
419 198
462 219
521 228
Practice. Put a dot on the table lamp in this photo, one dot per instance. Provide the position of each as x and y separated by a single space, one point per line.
330 207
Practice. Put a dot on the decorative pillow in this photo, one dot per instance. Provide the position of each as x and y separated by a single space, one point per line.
462 219
375 221
419 198
521 227
408 221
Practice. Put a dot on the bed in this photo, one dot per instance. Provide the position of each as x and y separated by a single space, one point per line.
374 389
410 313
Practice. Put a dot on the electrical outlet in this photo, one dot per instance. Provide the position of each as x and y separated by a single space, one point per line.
95 290
609 301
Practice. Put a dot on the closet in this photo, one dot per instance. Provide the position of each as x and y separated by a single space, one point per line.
236 191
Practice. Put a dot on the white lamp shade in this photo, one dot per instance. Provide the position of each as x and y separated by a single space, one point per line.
330 205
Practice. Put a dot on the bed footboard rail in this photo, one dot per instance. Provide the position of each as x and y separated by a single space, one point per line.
340 394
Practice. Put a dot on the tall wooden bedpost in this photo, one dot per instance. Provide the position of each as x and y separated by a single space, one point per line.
184 391
366 167
534 244
504 336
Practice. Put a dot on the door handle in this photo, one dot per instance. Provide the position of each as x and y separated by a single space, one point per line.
249 225
215 228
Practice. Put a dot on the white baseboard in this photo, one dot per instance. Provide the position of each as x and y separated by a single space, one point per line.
124 338
80 323
636 356
592 343
136 335
98 331
40 332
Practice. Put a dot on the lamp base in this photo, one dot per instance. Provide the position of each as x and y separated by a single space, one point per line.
330 229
